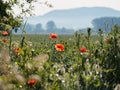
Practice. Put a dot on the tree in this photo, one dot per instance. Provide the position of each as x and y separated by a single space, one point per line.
105 23
38 28
8 15
29 28
6 18
51 27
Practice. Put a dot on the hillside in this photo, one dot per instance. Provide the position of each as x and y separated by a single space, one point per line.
74 18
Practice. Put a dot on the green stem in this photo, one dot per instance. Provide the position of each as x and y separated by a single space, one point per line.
10 43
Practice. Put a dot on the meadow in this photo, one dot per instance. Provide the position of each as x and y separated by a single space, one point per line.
60 62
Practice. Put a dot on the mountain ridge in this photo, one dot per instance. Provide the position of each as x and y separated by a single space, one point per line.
75 18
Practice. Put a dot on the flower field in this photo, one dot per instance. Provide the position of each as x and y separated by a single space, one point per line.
60 62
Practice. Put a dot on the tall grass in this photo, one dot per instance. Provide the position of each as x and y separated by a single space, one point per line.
79 62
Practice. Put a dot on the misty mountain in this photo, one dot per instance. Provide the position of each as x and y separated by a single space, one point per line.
74 18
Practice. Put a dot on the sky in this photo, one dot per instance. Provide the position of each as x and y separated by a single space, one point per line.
67 4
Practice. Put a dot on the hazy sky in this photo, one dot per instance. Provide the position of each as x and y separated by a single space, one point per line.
66 4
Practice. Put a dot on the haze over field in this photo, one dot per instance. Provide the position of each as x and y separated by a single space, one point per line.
74 18
72 14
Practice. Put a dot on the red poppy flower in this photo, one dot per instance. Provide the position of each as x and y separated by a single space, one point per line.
83 50
59 47
17 51
4 40
31 82
53 36
5 33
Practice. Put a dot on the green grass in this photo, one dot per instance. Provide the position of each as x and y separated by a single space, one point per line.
33 56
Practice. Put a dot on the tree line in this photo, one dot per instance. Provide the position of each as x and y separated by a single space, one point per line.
105 24
50 27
